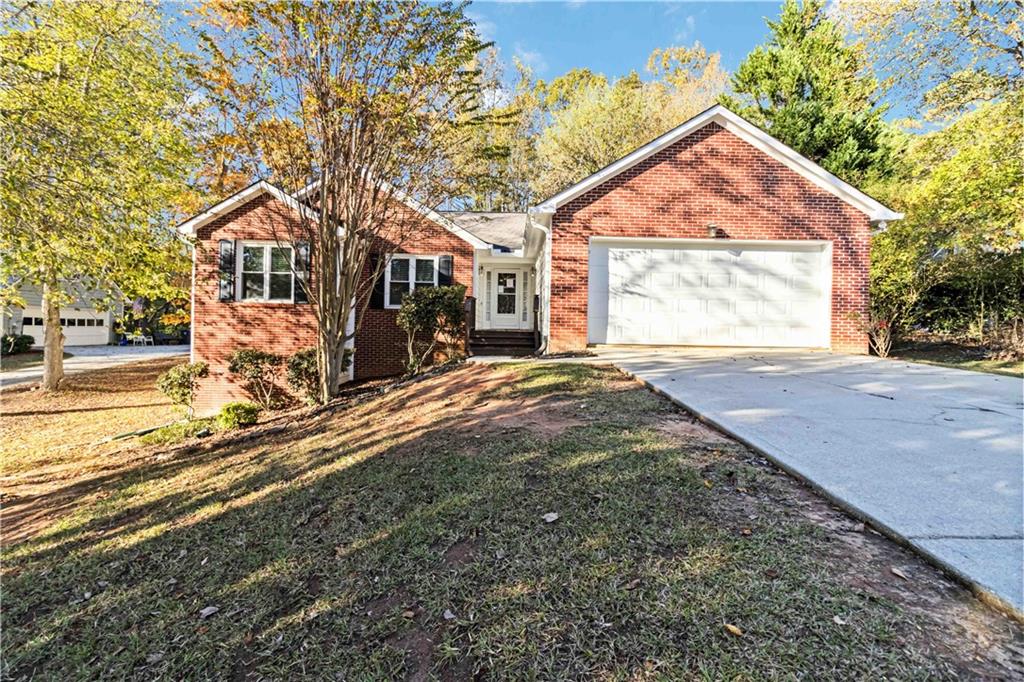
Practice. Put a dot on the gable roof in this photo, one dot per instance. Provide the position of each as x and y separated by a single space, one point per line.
746 131
240 198
295 202
420 208
506 230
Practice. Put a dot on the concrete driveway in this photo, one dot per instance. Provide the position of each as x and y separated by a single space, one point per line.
931 455
85 358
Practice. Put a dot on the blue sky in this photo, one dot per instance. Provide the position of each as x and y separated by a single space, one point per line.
614 38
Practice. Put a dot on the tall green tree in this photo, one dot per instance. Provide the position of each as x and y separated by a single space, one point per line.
497 157
592 122
808 87
367 99
94 155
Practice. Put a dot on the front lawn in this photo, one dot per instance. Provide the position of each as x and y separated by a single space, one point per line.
51 442
414 536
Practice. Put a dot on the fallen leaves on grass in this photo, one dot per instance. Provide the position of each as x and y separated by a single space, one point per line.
733 630
898 573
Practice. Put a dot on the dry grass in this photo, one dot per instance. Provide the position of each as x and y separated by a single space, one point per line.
52 440
334 543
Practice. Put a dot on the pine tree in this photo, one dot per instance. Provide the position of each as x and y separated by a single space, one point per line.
808 88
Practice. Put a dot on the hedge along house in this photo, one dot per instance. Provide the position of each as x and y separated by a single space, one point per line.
713 234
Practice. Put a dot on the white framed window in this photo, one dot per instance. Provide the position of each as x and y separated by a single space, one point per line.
265 272
407 273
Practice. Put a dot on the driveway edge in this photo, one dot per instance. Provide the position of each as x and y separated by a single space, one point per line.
983 593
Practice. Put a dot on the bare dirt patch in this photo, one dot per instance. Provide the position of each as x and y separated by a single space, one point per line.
693 429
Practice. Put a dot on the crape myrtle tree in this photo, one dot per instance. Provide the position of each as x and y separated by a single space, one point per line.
362 103
94 156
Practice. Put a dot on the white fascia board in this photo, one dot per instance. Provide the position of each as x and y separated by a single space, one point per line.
425 211
253 191
746 131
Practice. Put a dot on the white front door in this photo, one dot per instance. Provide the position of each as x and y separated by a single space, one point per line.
506 295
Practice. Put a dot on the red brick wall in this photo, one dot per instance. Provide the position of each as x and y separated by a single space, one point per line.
710 176
380 344
221 328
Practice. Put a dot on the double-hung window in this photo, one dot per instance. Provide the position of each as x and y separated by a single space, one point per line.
266 273
405 274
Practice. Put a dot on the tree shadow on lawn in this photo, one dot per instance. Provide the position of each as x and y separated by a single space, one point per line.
405 538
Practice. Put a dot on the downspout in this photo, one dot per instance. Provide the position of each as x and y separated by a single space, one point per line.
546 292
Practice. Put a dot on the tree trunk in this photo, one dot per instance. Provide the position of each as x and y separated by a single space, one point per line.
53 340
330 356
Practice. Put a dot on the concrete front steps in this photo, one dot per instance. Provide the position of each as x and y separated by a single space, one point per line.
498 342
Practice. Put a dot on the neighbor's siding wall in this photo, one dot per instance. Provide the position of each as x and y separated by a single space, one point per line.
221 328
710 176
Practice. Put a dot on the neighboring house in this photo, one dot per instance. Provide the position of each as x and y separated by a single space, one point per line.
83 323
713 234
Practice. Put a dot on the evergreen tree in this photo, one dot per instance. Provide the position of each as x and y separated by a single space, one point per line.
807 88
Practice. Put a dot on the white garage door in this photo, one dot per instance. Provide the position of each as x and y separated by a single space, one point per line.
81 327
709 294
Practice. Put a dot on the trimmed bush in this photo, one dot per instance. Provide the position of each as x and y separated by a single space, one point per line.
430 315
304 377
179 383
260 371
12 344
178 432
238 414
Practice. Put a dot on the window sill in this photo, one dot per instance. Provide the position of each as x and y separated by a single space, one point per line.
252 301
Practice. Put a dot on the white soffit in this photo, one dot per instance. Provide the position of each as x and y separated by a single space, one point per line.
750 134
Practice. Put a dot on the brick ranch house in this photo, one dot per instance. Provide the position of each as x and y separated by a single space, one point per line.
714 234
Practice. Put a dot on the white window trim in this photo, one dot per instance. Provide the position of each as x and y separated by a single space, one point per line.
412 258
267 245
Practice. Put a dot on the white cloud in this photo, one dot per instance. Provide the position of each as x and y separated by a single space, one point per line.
686 30
485 28
535 60
672 8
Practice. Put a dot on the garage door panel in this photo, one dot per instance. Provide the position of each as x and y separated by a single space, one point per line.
771 295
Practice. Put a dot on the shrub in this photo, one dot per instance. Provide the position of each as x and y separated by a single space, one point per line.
428 315
259 370
175 433
179 383
303 376
12 344
238 414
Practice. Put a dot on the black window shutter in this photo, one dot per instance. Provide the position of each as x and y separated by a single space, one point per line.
227 270
302 272
445 268
377 295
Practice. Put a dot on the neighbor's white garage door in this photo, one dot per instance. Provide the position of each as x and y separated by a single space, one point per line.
709 294
81 327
